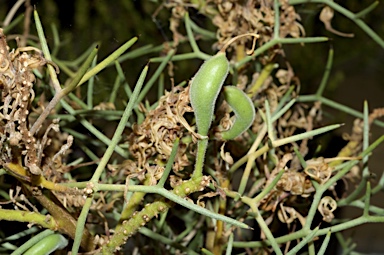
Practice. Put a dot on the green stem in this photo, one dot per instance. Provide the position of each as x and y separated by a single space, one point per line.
30 217
276 28
306 240
110 59
335 105
302 233
324 245
81 225
45 49
327 71
273 42
154 77
264 227
107 155
347 13
168 167
367 10
200 156
63 92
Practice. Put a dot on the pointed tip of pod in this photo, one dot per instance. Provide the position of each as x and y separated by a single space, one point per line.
244 111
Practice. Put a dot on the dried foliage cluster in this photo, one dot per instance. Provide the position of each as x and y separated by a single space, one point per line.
233 18
289 201
151 142
19 146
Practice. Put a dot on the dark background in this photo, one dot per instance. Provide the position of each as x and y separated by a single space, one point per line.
357 72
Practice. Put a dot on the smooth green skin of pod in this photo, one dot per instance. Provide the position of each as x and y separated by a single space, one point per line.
244 111
48 245
205 88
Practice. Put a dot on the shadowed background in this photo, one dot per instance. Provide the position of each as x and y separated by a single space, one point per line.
356 73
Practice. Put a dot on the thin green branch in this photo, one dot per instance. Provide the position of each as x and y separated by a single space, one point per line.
93 130
115 88
107 155
146 49
268 120
160 88
202 145
367 199
366 127
154 77
30 217
63 92
335 105
302 233
56 40
168 167
45 49
164 240
78 102
326 74
76 62
367 10
90 86
109 60
165 193
303 242
287 96
247 171
305 135
325 243
81 225
347 13
180 57
11 13
276 25
267 189
230 244
264 227
190 35
120 128
13 24
372 209
273 42
206 33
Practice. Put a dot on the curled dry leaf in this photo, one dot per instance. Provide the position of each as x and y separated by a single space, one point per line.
104 106
226 156
326 207
234 18
326 17
287 214
296 183
318 170
21 149
151 142
200 202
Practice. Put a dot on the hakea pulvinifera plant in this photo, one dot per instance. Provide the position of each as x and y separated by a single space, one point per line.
280 177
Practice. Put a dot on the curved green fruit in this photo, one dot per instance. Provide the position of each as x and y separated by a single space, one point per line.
244 111
205 87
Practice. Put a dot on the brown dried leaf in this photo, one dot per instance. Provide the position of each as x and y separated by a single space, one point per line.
326 17
326 207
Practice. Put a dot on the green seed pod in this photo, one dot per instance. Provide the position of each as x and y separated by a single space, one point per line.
48 245
244 111
205 87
